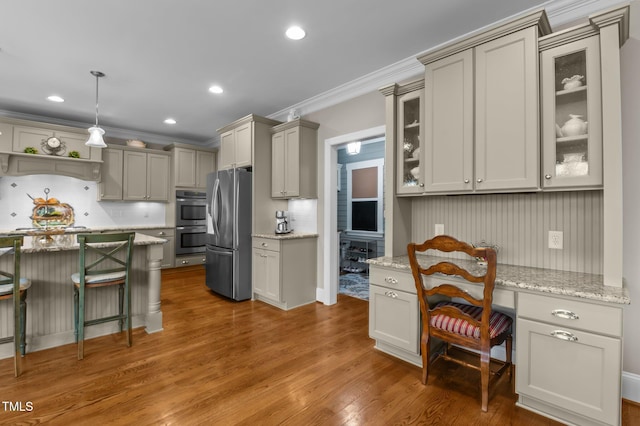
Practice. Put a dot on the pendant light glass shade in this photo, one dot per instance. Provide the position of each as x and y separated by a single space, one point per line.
95 132
95 138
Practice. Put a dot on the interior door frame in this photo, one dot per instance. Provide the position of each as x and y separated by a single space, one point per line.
328 294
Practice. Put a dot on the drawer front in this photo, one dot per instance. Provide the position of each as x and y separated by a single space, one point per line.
392 278
571 313
159 233
501 297
394 317
266 244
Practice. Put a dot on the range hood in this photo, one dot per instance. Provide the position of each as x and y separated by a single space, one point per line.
23 151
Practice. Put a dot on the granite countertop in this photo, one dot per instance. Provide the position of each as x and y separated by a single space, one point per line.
289 236
81 229
67 241
566 283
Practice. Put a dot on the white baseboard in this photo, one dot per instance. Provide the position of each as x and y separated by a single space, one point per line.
631 386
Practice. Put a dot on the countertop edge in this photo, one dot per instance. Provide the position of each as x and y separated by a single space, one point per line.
290 236
537 280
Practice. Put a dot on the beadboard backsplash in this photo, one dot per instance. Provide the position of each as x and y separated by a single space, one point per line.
519 224
17 207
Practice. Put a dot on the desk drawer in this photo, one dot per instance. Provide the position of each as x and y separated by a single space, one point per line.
571 313
266 244
392 278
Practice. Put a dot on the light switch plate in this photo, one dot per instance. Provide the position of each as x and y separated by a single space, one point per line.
555 240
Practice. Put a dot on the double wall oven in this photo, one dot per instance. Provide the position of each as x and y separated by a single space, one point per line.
191 229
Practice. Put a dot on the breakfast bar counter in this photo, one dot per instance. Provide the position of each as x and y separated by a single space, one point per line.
49 265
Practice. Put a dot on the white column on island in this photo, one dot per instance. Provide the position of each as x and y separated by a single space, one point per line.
154 314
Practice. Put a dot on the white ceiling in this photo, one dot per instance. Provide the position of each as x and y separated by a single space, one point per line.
161 56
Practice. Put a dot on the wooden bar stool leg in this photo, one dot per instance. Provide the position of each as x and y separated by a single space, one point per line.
121 305
75 313
81 323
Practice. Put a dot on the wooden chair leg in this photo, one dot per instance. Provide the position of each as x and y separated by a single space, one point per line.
425 347
128 297
508 347
485 359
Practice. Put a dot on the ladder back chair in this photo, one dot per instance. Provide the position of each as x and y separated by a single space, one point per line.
105 260
14 287
472 324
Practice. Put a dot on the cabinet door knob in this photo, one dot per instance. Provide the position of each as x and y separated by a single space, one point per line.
161 233
479 180
391 280
547 176
466 181
421 185
563 313
391 294
264 245
564 335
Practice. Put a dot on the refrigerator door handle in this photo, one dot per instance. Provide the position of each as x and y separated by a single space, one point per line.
215 206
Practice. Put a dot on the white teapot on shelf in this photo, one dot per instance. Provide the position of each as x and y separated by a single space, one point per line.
575 126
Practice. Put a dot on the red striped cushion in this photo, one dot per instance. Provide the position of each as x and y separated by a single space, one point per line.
498 322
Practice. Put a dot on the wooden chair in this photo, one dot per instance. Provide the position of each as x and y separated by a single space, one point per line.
110 265
472 324
12 286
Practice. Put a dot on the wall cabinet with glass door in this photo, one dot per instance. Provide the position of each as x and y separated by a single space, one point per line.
410 130
571 114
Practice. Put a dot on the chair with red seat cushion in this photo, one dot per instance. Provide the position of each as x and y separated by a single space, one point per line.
473 324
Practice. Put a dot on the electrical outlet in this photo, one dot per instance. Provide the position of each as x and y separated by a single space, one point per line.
439 229
555 240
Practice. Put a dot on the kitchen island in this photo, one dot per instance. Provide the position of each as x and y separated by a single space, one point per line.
49 266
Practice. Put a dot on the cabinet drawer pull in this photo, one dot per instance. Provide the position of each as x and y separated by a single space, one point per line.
479 180
185 262
391 294
160 233
264 245
263 255
466 181
547 176
564 335
563 313
390 280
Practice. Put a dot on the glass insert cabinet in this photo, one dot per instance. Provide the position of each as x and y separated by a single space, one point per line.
409 155
571 115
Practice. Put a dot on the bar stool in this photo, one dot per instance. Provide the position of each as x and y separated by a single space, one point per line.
105 260
12 286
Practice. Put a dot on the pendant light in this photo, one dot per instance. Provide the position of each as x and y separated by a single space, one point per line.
95 132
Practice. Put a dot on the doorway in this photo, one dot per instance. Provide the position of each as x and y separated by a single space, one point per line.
331 250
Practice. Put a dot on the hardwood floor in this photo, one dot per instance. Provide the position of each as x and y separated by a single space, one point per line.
224 363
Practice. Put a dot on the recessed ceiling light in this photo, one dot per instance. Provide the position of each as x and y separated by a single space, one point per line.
295 33
55 98
216 89
170 121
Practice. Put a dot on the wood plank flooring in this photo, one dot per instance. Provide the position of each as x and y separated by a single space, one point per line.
223 363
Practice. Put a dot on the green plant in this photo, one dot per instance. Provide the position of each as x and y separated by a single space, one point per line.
74 154
30 150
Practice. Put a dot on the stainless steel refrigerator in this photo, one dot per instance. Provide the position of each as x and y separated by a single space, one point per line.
228 251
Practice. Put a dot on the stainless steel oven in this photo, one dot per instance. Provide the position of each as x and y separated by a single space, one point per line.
191 239
191 208
191 229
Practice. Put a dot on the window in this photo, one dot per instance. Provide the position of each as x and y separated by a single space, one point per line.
364 196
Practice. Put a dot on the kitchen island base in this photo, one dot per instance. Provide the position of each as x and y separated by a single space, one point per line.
50 299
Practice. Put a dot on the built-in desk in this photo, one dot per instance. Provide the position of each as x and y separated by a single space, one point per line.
568 332
50 298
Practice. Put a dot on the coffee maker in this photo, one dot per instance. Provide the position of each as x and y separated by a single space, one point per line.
282 222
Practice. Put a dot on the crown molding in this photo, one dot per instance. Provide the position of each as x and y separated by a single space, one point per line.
559 13
111 132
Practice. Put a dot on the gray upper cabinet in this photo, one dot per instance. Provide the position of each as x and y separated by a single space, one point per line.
111 175
141 174
481 117
410 154
191 166
572 115
235 147
294 160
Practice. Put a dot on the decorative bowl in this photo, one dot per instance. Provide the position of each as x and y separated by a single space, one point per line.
135 143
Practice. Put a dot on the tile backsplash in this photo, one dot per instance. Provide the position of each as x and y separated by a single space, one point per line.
304 215
81 195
